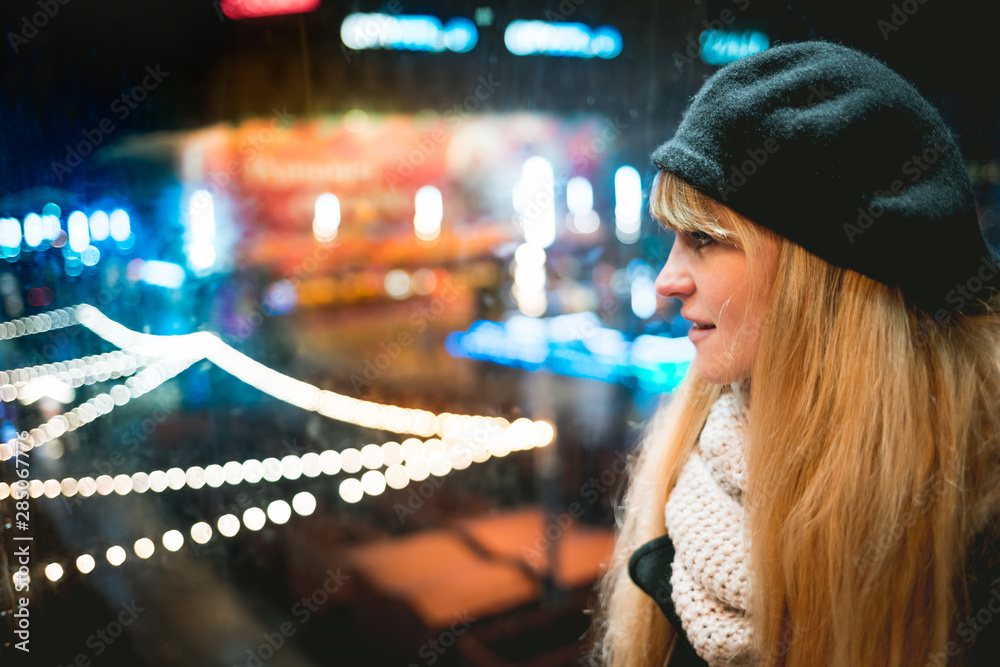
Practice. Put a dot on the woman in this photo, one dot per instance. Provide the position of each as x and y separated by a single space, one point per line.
824 488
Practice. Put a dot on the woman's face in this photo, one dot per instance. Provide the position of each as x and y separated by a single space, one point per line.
711 280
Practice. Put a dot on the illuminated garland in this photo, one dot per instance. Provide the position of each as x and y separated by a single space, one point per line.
204 345
295 392
141 383
417 468
413 460
254 518
466 439
41 323
74 372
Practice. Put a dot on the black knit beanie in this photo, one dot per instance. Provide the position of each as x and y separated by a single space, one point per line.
833 150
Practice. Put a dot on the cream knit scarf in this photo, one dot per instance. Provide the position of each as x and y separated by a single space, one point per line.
705 521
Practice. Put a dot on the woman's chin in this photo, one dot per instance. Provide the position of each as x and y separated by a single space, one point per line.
715 371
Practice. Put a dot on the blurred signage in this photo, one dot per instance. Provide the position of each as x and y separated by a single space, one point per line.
523 38
578 346
246 9
719 47
439 187
541 38
408 33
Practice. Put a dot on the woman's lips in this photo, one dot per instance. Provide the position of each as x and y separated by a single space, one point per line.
700 331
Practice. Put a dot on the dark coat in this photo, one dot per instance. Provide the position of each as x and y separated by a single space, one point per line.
975 640
650 568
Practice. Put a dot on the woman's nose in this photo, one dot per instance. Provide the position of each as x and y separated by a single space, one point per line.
674 280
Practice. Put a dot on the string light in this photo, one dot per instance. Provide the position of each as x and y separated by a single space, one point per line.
279 512
372 457
311 465
41 323
329 462
144 547
215 476
304 503
417 469
18 383
87 487
176 353
464 439
54 571
201 532
254 518
173 540
414 460
142 382
291 467
301 394
352 490
373 483
350 460
392 453
396 476
228 525
272 469
116 555
422 458
85 563
105 485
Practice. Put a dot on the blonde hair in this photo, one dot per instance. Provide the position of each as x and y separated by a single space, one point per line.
872 465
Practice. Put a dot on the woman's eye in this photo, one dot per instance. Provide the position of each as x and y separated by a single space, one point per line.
701 238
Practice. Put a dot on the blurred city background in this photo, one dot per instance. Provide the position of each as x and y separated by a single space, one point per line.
405 252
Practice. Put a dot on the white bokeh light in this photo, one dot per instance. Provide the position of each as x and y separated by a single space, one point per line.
228 525
304 503
396 477
144 547
392 453
351 490
201 532
417 469
373 482
371 457
54 571
538 213
116 555
279 512
326 218
350 460
628 204
173 540
254 518
429 207
397 284
330 462
291 467
85 563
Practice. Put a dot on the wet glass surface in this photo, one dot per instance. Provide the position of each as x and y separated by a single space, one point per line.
328 334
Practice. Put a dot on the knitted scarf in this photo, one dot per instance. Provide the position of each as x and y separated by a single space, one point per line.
704 518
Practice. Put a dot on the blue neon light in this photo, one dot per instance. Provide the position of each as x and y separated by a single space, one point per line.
577 346
526 38
408 33
719 47
163 274
41 232
10 233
